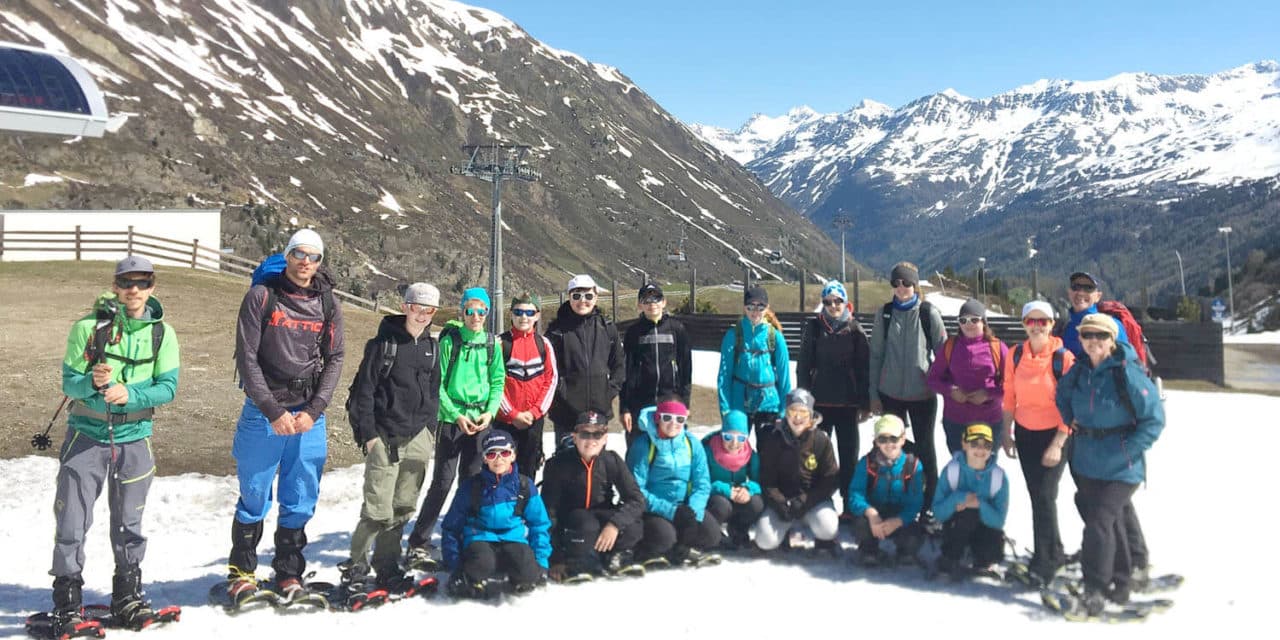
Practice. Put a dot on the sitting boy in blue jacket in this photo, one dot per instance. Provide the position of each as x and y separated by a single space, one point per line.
885 497
972 503
496 527
671 468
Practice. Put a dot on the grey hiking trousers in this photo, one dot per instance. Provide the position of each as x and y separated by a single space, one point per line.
86 467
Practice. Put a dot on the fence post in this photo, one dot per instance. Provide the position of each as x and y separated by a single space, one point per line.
802 279
693 290
1 237
613 294
77 243
130 250
195 244
856 280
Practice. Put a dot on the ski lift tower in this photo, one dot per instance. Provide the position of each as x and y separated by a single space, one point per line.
844 223
495 162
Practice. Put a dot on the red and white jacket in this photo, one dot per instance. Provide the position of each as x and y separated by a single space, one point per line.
531 383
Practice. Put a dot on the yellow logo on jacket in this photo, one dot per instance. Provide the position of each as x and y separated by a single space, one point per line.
811 462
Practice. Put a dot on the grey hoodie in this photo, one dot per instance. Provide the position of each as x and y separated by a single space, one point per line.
900 360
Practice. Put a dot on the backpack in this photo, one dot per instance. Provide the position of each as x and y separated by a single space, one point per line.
688 444
997 478
388 350
739 345
926 321
267 273
456 333
477 494
507 341
1137 339
994 343
109 330
1057 357
873 472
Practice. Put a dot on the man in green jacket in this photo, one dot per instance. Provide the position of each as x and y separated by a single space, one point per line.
471 382
121 362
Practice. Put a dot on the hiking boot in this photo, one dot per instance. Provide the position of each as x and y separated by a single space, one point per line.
1119 593
1093 602
354 576
289 589
620 562
460 586
393 580
1140 579
740 538
826 546
127 605
66 618
419 559
242 588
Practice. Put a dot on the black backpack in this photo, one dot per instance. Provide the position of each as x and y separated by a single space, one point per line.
507 340
1058 355
477 494
459 344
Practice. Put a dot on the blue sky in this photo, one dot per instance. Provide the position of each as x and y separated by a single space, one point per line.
718 62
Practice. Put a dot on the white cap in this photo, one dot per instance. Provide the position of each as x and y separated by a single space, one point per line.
581 281
1037 305
306 237
423 294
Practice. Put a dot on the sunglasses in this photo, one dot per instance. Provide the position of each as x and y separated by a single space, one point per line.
493 454
1036 322
1094 335
141 283
1087 288
421 308
968 320
590 434
831 302
588 296
672 417
299 254
887 439
477 312
651 300
734 437
798 413
756 306
982 444
524 313
899 282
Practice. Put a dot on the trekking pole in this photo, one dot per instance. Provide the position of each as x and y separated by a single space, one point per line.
42 441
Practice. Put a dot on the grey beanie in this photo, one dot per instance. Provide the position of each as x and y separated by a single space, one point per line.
905 273
973 307
800 396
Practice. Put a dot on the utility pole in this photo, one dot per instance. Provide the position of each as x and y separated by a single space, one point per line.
1231 296
842 222
1181 275
492 163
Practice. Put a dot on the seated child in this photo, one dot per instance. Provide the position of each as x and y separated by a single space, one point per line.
885 497
798 477
972 502
735 494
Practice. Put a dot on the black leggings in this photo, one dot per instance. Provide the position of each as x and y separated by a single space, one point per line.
1105 554
965 530
1042 485
453 449
660 535
844 422
739 516
485 560
923 416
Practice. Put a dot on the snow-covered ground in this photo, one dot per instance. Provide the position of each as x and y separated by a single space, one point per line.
1266 337
1204 510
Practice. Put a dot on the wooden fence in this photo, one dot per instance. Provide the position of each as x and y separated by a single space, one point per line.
81 244
1184 350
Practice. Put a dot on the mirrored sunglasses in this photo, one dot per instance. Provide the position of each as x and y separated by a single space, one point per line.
299 254
493 454
524 313
1036 322
733 437
477 312
421 308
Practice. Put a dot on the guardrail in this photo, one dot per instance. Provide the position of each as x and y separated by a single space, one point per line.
80 242
1184 350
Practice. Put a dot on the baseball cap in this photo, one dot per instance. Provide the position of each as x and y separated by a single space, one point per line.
498 439
978 431
134 264
581 281
591 418
891 425
423 294
650 290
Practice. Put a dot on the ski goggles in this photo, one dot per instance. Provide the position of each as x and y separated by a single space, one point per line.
672 417
1036 322
493 454
582 295
141 283
734 437
299 254
591 434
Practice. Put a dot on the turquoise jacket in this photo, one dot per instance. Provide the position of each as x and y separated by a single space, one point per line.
1110 441
958 480
756 380
676 473
151 383
723 480
888 495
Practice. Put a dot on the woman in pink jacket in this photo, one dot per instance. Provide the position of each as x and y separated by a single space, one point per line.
969 374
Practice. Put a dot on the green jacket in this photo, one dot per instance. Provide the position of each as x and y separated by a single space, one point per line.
150 384
476 386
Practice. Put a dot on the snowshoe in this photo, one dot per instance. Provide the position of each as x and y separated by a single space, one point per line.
293 592
51 626
576 578
138 620
622 563
1076 608
419 559
656 562
697 559
242 594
